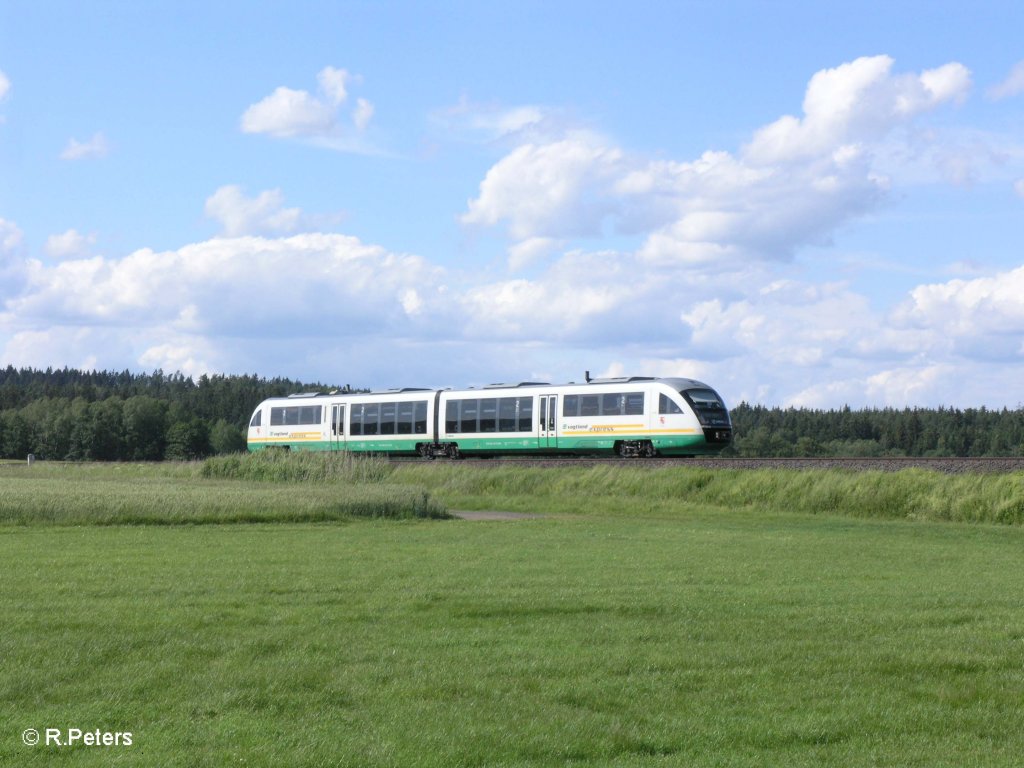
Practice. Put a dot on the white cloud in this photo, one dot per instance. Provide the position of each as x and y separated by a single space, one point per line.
290 113
908 385
549 190
1018 187
855 102
971 312
313 284
786 324
486 123
10 238
5 85
56 347
528 252
333 84
362 114
97 146
286 113
328 300
70 243
693 276
241 215
791 186
186 356
1011 86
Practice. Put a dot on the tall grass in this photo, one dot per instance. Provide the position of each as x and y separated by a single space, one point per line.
298 467
911 494
233 489
300 486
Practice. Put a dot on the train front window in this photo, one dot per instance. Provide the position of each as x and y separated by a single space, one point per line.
708 406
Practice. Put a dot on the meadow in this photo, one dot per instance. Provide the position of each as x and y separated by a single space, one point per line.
687 627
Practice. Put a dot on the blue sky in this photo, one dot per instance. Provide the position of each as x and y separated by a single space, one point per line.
802 204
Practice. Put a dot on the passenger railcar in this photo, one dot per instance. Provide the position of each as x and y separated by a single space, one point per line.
634 416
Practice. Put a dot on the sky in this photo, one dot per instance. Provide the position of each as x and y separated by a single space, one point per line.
801 204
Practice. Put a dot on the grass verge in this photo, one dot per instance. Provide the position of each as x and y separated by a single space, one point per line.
168 494
652 489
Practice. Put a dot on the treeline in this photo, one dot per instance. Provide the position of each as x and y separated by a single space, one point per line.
768 432
125 416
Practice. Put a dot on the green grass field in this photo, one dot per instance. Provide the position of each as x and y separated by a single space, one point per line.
663 633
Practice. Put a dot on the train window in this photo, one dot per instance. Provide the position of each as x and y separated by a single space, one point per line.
489 415
571 405
589 405
404 425
507 414
387 418
708 405
667 405
294 415
420 418
635 404
257 419
526 414
468 418
451 416
611 405
355 425
371 416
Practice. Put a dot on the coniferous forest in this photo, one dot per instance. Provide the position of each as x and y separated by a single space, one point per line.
111 416
124 416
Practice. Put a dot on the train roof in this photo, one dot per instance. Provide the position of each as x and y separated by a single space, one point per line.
676 383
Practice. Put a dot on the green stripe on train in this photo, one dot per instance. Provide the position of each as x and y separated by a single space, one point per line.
667 444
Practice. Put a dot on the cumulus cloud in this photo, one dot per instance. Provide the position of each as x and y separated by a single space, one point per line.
528 252
187 355
858 101
97 146
972 312
291 113
792 185
10 238
1011 86
241 215
785 323
691 273
549 190
317 283
316 301
70 243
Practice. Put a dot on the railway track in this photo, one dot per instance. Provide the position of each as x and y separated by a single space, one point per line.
945 465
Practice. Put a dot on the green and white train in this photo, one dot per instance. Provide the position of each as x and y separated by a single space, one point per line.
635 416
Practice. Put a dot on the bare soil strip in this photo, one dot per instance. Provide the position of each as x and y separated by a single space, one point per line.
493 515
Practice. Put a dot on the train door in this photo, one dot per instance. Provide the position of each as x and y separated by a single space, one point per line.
337 427
547 421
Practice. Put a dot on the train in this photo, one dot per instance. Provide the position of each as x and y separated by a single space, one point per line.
634 416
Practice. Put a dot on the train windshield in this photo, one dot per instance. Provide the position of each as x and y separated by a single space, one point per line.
708 406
